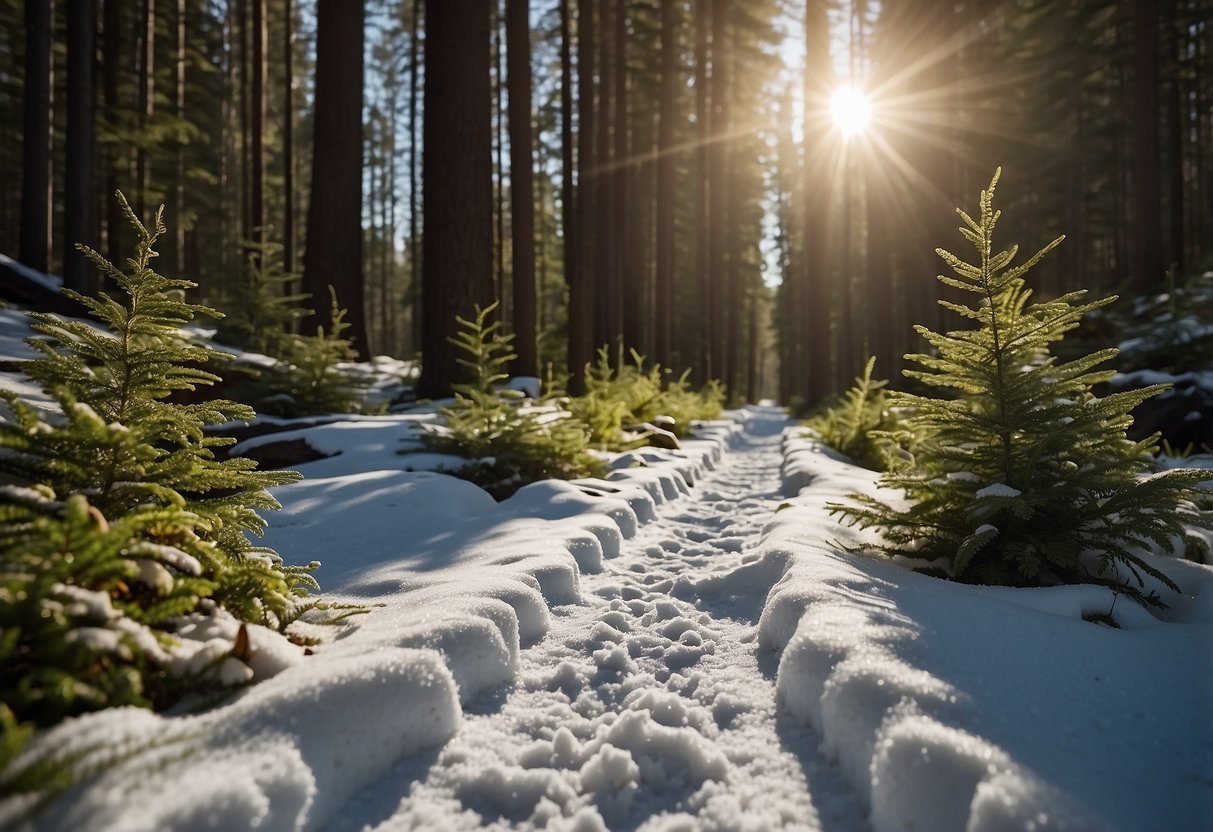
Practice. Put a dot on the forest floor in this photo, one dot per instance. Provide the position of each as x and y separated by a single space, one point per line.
692 643
649 704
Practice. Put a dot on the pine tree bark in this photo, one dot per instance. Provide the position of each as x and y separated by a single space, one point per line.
816 297
178 219
703 227
256 185
457 168
147 100
879 267
415 265
79 214
114 57
582 283
606 328
1148 266
735 296
718 172
1175 169
666 181
628 300
522 206
1202 128
245 115
391 304
499 210
334 218
231 188
36 136
568 206
288 137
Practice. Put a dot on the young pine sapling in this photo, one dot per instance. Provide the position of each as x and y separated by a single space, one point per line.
1021 474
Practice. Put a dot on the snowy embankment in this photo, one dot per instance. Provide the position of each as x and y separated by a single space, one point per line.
951 706
455 585
683 645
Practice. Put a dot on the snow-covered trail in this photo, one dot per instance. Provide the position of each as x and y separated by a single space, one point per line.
647 706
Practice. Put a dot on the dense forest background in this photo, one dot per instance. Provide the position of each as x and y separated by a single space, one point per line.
660 175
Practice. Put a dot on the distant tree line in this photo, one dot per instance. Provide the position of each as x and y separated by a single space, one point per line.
651 175
1099 111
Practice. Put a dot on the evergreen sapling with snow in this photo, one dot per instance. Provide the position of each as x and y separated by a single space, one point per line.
860 423
122 520
1021 475
312 375
308 376
262 309
629 395
509 441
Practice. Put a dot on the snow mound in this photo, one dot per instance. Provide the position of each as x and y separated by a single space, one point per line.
1004 705
452 585
285 755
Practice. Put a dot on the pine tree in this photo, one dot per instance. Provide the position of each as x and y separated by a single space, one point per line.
264 309
1026 477
626 394
859 422
123 523
508 440
124 375
125 446
89 603
313 374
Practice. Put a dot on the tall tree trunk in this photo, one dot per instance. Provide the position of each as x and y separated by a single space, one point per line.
703 226
718 172
256 184
147 100
522 205
1202 117
377 267
568 207
231 219
499 211
35 147
666 181
629 290
1175 167
1074 253
78 195
334 218
582 283
606 328
415 265
733 310
457 177
753 365
245 117
371 254
1148 263
816 297
391 307
878 266
543 294
288 137
178 223
114 57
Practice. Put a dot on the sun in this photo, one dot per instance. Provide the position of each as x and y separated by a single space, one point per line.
851 111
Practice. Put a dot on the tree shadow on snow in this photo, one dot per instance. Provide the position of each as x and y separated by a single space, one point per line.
383 798
839 808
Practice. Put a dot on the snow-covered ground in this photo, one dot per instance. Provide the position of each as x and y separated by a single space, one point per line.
684 645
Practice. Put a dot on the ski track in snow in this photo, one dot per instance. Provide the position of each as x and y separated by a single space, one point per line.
648 705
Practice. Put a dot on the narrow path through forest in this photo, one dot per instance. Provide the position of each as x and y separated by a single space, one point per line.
649 705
